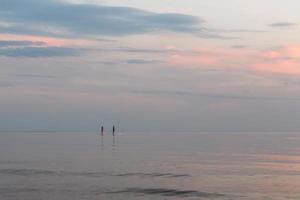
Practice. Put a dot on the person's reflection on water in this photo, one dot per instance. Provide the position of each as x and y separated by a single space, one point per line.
102 142
113 130
113 142
102 130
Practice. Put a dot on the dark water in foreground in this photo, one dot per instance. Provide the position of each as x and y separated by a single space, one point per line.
223 166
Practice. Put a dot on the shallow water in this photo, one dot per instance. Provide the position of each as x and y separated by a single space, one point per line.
223 166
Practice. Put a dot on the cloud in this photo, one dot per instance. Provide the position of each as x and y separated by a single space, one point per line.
239 46
36 52
146 50
131 62
205 56
212 95
10 43
279 67
283 60
140 50
282 25
194 60
236 31
35 76
142 61
66 19
110 63
5 84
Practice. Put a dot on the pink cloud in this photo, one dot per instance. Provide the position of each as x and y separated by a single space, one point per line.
271 55
292 51
48 40
289 51
213 57
282 67
284 60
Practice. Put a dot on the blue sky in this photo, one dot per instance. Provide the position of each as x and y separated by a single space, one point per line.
217 65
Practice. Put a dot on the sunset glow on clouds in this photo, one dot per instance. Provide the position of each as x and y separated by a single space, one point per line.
285 60
282 60
189 59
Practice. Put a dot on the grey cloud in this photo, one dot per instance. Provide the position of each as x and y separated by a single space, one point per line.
104 40
5 84
131 62
235 31
243 31
10 43
29 29
91 20
39 76
212 96
152 51
144 50
109 63
141 50
282 24
239 46
142 61
36 52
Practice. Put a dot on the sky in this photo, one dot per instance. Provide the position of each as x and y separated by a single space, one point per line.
159 65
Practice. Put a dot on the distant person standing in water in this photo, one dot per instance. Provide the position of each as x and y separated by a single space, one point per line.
113 130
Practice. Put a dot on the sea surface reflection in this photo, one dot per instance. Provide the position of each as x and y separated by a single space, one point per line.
149 166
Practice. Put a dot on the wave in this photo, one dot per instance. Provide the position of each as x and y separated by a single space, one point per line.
167 175
36 172
169 192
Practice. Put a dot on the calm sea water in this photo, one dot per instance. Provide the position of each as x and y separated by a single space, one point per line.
71 166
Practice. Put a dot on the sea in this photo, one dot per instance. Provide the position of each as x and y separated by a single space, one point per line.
149 166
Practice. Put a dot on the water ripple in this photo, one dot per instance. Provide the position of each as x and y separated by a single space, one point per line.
167 175
36 172
170 192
